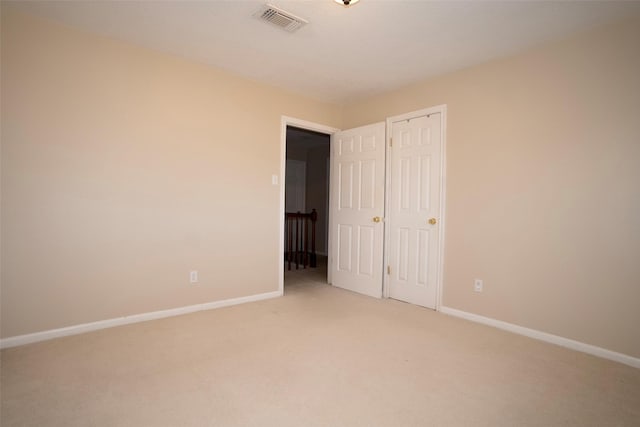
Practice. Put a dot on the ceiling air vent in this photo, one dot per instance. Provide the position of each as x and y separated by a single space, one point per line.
278 17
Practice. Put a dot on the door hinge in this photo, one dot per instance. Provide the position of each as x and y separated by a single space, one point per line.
388 269
390 142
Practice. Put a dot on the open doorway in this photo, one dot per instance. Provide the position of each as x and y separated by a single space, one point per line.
306 231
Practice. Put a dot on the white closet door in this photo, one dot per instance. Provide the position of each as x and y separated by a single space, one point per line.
414 208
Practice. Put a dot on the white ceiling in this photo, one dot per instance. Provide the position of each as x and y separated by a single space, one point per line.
343 53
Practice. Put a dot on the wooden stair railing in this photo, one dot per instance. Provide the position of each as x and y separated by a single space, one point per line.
299 226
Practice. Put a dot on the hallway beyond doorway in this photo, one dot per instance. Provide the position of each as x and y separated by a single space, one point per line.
294 279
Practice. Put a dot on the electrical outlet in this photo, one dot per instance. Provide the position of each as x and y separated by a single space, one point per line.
477 285
193 276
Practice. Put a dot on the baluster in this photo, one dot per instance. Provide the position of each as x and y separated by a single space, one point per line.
298 242
305 242
299 226
289 231
314 218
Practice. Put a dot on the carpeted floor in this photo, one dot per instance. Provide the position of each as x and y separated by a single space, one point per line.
319 356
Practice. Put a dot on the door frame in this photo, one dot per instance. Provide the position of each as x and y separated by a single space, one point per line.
316 127
442 109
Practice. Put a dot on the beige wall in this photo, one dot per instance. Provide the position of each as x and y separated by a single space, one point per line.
543 185
123 169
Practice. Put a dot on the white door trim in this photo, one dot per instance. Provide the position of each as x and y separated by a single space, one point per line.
303 124
442 109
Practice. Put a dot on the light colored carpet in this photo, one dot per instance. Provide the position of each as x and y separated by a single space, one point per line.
319 356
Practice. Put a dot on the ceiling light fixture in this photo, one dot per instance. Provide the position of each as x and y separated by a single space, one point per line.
347 3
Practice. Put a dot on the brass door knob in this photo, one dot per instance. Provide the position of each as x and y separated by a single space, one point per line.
376 219
432 221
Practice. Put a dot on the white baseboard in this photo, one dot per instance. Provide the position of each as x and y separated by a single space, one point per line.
135 318
543 336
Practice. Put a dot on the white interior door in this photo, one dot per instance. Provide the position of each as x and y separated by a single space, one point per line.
414 209
357 209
